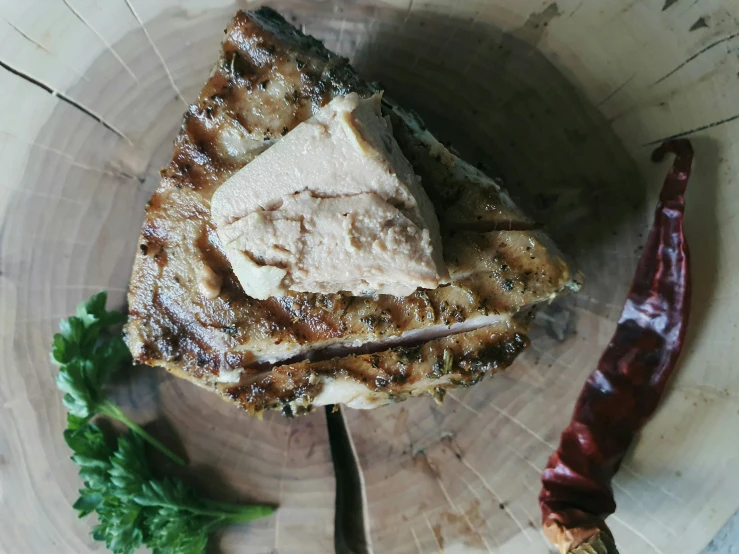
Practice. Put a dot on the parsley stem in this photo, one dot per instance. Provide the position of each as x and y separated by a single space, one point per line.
109 409
240 512
222 512
226 507
249 513
245 513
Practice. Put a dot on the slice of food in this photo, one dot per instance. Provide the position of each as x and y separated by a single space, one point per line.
334 206
189 313
463 196
369 380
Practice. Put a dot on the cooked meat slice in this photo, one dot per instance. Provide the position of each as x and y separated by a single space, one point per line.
188 312
373 379
465 198
525 264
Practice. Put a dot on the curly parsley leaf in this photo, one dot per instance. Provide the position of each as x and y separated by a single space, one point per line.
79 334
133 508
183 520
121 524
177 536
87 355
129 471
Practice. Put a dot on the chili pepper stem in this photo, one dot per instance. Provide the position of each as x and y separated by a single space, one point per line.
600 544
581 540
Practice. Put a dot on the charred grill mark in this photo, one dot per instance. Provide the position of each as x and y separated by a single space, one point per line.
313 315
409 354
190 167
241 70
209 245
206 359
219 88
179 340
153 237
241 360
197 158
500 355
281 312
287 388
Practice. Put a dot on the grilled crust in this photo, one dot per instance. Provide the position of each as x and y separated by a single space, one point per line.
268 79
465 198
373 380
187 311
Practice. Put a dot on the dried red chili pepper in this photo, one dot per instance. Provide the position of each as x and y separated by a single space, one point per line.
623 392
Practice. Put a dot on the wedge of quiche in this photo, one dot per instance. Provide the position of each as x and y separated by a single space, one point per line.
189 314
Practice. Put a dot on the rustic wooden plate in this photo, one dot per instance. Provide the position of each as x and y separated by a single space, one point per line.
563 99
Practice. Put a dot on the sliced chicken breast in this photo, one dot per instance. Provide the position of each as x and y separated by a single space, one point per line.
188 312
373 379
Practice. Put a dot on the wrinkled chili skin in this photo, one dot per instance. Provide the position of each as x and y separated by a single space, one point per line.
623 392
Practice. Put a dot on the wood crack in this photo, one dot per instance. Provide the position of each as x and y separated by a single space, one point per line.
51 90
102 39
157 52
615 91
43 48
694 56
694 130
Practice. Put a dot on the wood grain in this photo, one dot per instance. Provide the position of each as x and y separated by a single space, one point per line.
560 99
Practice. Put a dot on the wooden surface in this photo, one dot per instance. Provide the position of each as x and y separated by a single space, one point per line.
560 98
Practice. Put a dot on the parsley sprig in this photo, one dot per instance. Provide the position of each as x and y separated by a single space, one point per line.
87 355
133 507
